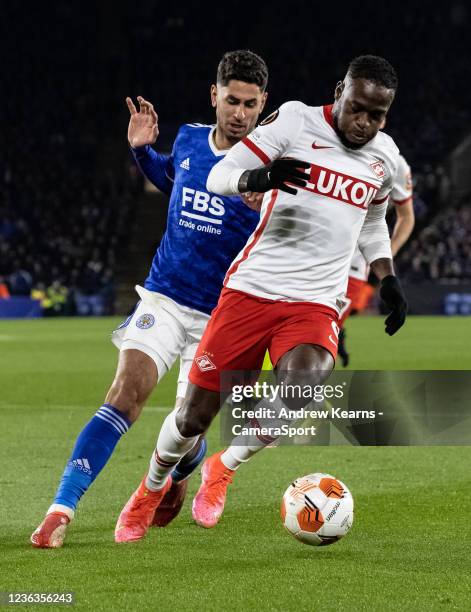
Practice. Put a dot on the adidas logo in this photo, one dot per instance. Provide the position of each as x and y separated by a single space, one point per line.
82 464
185 164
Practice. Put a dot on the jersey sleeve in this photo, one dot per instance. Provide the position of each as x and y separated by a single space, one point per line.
157 167
374 242
269 141
389 166
275 134
402 183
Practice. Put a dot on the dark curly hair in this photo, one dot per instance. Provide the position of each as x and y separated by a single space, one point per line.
373 68
242 65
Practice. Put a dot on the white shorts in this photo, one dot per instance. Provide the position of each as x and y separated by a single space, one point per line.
164 330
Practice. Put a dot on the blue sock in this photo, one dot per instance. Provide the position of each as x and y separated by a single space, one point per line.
183 471
94 446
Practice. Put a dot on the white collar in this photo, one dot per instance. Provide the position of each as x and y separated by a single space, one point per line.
212 146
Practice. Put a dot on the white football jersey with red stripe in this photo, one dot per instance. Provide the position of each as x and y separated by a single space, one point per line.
303 245
401 193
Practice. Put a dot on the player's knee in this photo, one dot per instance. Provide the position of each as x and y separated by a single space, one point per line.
305 366
306 359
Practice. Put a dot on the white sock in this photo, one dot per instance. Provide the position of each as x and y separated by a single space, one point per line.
234 456
60 508
244 447
171 447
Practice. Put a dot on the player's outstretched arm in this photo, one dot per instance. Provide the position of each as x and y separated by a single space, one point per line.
143 130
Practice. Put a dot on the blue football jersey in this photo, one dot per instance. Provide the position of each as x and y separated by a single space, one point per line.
204 231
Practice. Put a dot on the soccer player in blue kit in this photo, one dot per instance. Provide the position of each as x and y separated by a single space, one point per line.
204 234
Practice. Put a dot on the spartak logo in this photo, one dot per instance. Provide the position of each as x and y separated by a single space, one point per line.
378 169
341 187
204 363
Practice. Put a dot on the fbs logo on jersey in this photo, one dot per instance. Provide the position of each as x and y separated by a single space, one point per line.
204 363
185 164
202 205
145 321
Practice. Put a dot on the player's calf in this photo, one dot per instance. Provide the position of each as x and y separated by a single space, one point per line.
197 411
134 381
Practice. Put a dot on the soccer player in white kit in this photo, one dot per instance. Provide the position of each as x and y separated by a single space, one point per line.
285 289
401 199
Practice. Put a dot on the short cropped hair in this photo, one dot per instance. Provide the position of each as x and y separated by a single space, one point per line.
373 68
242 65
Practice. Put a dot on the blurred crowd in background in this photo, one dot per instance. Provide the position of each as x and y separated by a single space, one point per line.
440 251
67 185
62 225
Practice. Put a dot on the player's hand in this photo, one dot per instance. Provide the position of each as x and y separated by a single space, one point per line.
252 200
143 126
276 174
392 295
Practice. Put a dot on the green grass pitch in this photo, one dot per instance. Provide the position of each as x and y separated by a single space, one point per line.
408 549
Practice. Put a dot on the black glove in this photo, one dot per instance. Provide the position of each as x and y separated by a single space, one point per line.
276 174
392 295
